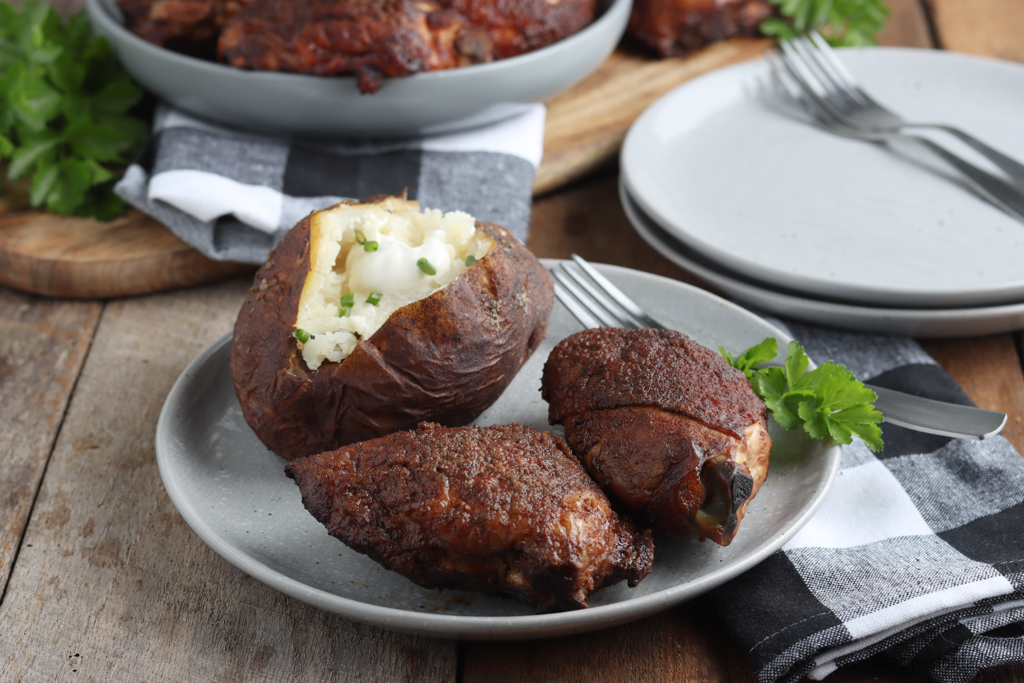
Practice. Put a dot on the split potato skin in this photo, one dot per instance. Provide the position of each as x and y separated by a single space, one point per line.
443 359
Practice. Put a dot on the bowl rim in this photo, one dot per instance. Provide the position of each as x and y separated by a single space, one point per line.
99 12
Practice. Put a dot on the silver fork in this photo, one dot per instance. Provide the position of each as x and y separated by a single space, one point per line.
595 302
796 80
859 110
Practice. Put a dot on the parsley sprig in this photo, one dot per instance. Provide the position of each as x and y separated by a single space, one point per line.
827 401
842 22
64 102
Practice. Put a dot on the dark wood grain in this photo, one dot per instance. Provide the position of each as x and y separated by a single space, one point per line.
989 370
112 584
673 646
44 253
985 27
586 124
588 219
42 347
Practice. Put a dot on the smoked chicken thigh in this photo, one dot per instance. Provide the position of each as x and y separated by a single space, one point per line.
378 38
663 424
503 509
675 27
188 26
370 38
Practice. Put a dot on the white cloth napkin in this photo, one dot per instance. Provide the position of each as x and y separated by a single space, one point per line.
917 553
232 195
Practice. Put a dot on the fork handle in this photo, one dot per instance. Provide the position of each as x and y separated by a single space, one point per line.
1010 166
1005 196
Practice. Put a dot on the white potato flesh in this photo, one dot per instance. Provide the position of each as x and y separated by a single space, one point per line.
344 275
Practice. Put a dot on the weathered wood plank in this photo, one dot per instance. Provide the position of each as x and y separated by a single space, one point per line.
42 346
112 585
678 645
984 27
587 123
908 25
989 370
68 256
588 220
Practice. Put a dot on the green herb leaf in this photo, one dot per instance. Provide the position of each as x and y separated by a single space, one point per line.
73 180
43 182
755 355
829 402
37 150
64 110
374 298
426 266
470 260
301 335
347 300
371 245
841 22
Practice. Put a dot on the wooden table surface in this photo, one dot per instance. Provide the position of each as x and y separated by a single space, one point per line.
101 579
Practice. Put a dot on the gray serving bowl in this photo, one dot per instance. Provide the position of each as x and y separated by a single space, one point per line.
295 104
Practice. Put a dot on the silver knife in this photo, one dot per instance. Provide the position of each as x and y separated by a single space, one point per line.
937 417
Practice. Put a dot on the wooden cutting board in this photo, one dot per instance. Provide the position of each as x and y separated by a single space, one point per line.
43 253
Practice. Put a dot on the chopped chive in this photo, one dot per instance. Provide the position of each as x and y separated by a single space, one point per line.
426 266
374 298
470 260
348 300
301 335
371 245
360 237
344 313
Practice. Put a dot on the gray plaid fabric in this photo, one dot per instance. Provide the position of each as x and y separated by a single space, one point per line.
916 556
233 195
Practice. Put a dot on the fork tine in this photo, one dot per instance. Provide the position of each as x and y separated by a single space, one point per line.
594 310
615 293
621 316
574 307
817 51
798 58
834 92
787 76
839 70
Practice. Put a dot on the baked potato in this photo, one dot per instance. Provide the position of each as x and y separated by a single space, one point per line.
371 317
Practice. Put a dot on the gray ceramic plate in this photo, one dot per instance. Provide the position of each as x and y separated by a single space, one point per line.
285 103
912 322
734 172
233 492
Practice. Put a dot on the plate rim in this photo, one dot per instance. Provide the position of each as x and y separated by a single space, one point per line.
927 322
853 294
460 626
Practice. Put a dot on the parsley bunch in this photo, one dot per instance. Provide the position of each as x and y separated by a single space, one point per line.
827 401
842 22
64 102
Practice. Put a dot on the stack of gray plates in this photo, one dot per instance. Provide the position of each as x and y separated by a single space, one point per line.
723 178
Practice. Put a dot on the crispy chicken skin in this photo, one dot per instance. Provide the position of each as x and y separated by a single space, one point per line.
189 26
663 424
371 38
675 27
517 26
378 38
503 509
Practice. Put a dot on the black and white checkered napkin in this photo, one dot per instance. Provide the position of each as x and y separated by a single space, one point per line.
916 555
233 195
